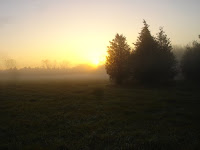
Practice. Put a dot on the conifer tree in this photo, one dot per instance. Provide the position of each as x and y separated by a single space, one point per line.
190 63
152 59
117 59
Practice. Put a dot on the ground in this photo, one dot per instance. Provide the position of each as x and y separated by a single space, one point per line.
94 114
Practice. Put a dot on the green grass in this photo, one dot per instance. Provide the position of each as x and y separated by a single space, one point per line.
74 115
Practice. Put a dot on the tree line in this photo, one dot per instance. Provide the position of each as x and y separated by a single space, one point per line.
151 60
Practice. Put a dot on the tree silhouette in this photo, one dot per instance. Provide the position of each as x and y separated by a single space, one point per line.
190 63
152 59
117 59
10 64
166 59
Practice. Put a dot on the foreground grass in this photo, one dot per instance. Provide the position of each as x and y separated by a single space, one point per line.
95 115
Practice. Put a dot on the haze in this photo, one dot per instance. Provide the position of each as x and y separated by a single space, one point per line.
79 31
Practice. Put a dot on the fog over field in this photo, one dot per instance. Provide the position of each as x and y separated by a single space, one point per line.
83 72
51 70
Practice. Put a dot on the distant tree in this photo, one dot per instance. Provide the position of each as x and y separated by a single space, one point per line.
190 63
152 59
118 59
46 64
10 64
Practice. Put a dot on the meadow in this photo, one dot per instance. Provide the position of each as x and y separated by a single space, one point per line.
93 114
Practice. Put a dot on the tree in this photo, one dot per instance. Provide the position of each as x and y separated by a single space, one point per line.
117 59
152 59
166 58
190 63
10 64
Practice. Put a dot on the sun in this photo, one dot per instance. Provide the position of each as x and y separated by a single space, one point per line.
95 62
96 59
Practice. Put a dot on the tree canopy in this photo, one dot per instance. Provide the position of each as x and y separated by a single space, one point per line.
118 59
152 59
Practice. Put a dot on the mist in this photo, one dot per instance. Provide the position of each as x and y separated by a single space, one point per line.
63 70
50 70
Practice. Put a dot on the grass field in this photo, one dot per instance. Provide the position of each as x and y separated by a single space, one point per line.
93 114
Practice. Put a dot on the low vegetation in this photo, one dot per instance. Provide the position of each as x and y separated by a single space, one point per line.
93 114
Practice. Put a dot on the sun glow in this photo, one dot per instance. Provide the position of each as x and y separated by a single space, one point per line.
95 62
96 59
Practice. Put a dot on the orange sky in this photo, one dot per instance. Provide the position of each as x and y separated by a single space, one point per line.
78 31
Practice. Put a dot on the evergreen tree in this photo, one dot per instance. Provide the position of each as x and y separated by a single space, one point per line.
190 63
117 59
166 58
152 59
142 57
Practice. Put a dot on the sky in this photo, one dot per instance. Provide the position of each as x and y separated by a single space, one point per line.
79 31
